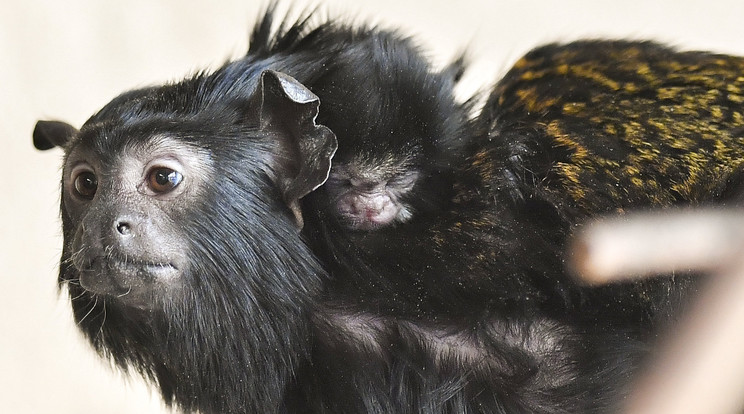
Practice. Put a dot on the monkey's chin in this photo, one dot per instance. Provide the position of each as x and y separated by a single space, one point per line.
133 283
367 225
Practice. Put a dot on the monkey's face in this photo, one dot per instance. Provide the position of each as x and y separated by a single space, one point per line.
124 215
166 194
369 194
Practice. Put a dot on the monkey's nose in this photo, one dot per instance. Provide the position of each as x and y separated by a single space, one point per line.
123 228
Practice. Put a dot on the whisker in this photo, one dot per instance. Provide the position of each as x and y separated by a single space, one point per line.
129 290
95 303
78 296
100 329
74 255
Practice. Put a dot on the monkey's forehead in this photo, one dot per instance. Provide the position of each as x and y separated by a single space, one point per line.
376 166
107 149
208 128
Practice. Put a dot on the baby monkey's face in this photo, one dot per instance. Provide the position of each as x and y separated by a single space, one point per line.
366 194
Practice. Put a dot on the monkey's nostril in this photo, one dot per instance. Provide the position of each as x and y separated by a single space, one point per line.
123 228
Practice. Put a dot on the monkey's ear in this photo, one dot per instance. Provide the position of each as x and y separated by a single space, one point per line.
50 134
289 108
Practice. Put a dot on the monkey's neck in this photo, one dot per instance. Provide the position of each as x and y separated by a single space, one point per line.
231 359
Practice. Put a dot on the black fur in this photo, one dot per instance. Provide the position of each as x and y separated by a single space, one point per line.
418 127
225 343
381 287
465 309
601 127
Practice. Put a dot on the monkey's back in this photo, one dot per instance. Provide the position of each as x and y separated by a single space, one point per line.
601 126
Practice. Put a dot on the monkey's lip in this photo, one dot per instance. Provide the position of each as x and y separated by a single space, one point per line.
129 279
139 264
130 265
367 221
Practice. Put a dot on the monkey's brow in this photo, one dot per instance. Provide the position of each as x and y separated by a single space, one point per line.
380 164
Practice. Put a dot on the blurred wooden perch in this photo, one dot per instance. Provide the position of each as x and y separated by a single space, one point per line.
648 244
701 368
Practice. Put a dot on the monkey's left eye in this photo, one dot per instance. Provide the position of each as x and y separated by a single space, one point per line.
163 180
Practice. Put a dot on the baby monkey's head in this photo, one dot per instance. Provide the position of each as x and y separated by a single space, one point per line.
368 192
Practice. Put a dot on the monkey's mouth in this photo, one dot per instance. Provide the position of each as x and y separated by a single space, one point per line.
129 265
132 266
362 214
127 278
368 219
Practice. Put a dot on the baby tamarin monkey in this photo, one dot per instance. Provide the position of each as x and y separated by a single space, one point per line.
398 127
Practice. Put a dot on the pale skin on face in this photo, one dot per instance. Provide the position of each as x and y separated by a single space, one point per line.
366 196
127 240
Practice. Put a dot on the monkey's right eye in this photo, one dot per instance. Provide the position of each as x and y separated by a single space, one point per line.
85 184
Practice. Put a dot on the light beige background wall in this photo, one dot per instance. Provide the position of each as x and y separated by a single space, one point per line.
65 59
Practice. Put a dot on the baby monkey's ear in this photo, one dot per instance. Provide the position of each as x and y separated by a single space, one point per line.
288 109
50 134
